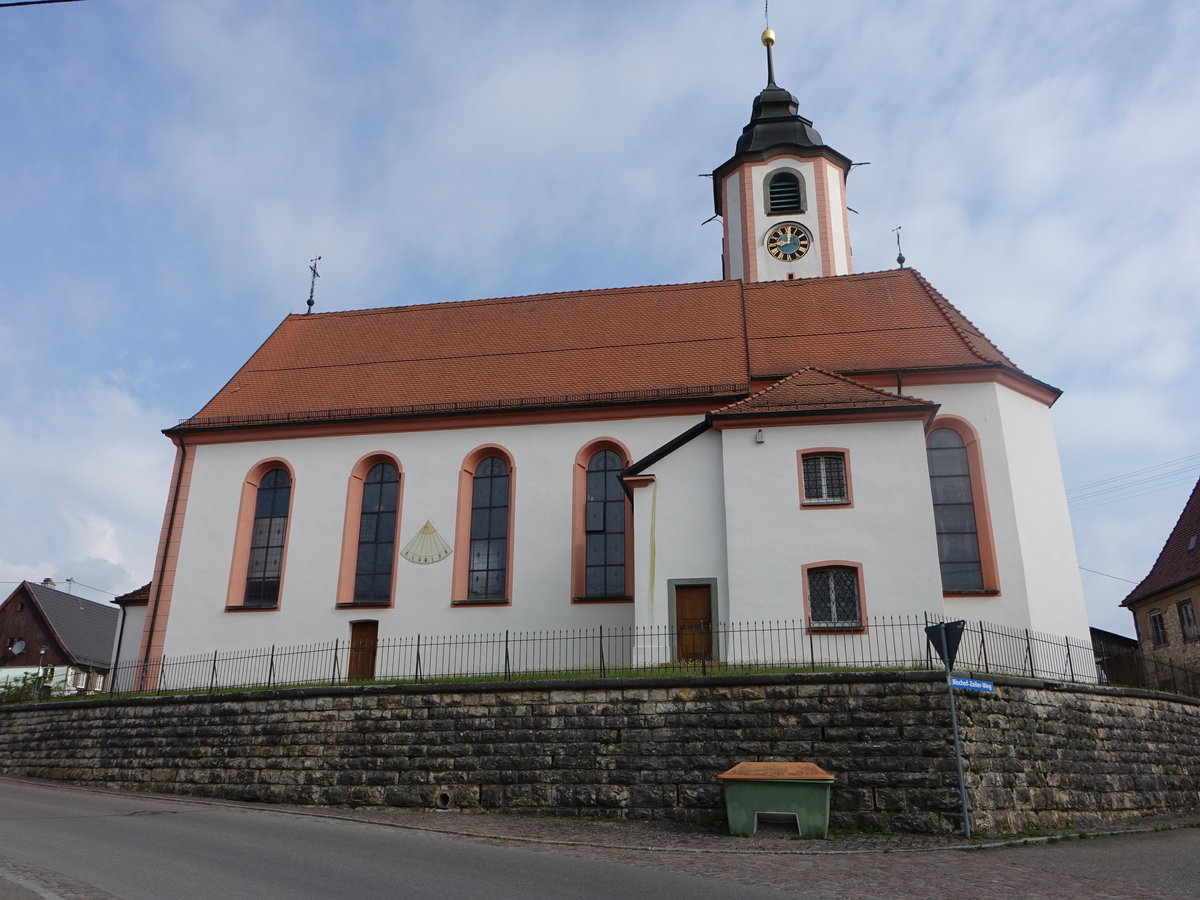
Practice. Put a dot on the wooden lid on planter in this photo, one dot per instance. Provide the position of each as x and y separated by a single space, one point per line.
777 771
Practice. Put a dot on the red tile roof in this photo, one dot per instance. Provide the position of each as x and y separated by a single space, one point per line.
813 390
621 345
1179 560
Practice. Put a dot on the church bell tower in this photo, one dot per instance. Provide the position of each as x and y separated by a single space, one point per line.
782 195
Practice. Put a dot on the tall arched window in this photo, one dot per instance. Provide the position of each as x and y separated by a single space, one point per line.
483 535
487 569
785 193
960 509
268 538
366 576
377 535
603 524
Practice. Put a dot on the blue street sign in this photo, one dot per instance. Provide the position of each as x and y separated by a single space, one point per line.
972 684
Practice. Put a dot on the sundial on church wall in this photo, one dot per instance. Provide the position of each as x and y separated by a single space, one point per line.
426 547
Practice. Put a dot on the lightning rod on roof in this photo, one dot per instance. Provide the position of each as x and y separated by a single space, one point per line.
312 288
899 252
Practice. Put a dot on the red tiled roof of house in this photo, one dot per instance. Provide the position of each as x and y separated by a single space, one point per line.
1179 559
620 345
813 390
136 597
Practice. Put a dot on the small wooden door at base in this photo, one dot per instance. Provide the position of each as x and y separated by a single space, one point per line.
693 621
364 637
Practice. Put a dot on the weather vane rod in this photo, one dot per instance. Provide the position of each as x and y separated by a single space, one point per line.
768 39
312 288
899 252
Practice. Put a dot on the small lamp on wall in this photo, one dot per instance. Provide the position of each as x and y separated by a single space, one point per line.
759 437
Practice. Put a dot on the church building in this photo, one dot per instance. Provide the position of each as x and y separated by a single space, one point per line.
793 442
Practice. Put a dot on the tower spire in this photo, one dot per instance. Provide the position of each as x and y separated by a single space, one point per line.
768 39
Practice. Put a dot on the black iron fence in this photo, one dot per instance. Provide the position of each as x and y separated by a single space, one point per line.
886 643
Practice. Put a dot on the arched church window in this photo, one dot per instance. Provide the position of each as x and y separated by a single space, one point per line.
602 543
268 539
487 567
604 526
953 477
377 535
785 193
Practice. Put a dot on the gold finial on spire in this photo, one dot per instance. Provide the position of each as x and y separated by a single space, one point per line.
768 37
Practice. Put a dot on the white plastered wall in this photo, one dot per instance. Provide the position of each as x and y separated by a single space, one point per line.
681 528
543 458
1035 552
889 529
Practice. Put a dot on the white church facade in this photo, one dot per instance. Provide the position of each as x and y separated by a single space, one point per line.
792 442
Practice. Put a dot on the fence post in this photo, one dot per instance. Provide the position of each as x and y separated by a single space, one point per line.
212 684
1029 652
983 646
928 651
418 669
271 668
334 673
507 669
1070 664
601 639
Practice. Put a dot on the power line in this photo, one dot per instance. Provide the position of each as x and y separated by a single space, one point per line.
1106 575
1193 459
1086 503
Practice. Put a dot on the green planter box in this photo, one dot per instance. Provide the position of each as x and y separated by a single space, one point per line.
777 788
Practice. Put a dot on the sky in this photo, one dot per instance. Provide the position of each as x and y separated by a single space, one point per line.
170 168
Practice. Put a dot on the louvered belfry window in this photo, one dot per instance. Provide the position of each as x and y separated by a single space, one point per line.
783 194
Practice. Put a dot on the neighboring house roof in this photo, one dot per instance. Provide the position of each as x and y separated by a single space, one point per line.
617 346
136 597
85 630
1179 559
1111 642
815 391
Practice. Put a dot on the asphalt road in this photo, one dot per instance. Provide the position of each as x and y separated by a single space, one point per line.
95 845
62 842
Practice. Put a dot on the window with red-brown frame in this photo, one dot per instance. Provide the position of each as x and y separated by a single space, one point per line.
369 539
833 596
260 539
824 477
603 525
966 554
483 573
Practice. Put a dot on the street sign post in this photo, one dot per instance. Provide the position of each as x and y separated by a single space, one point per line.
945 637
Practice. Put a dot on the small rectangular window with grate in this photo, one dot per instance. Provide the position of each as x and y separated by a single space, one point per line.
825 479
833 600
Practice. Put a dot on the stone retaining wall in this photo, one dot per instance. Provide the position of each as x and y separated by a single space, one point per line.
1035 753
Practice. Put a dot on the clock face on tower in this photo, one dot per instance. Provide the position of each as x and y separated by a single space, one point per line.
788 241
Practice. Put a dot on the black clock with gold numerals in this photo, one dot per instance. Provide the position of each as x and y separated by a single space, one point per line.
788 241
